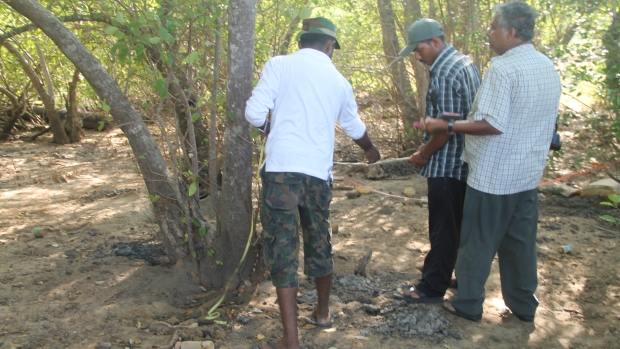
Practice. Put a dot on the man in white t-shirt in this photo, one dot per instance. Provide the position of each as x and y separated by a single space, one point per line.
507 138
307 96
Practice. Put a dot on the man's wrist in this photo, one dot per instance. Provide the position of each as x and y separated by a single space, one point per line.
264 127
424 157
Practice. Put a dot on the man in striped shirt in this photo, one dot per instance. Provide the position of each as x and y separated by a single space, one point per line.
454 80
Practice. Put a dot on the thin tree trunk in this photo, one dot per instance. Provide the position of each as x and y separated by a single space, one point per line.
46 72
235 204
213 168
74 122
404 97
151 163
60 136
412 12
288 36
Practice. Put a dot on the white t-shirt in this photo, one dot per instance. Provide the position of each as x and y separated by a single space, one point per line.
519 96
307 96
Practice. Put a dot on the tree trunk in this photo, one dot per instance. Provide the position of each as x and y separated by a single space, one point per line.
60 137
612 63
404 97
235 203
412 12
151 163
74 122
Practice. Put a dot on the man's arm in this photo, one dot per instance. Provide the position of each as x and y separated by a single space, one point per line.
371 152
424 153
478 128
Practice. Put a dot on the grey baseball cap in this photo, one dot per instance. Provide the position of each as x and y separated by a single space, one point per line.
420 30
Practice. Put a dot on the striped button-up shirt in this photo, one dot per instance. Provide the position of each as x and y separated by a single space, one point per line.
453 84
519 97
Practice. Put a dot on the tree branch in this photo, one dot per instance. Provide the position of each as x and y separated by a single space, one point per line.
95 17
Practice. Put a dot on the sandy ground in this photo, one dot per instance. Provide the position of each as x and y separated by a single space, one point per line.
70 289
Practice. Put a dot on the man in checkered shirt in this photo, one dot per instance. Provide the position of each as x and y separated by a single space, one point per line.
508 133
454 80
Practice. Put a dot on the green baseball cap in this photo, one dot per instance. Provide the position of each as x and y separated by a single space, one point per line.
420 30
319 25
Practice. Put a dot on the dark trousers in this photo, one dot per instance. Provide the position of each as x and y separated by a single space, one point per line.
445 212
506 225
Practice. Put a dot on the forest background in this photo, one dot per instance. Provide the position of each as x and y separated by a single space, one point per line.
182 70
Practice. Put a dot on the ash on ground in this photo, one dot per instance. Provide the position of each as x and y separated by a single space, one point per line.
414 320
140 250
351 288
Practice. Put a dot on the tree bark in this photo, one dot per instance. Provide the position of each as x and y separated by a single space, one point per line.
235 204
151 163
60 136
74 122
412 12
404 97
612 63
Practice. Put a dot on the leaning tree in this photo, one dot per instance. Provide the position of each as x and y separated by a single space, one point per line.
185 233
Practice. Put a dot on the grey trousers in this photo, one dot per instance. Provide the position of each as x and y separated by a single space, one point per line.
506 225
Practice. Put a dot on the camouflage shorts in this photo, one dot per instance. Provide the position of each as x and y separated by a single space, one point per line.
286 196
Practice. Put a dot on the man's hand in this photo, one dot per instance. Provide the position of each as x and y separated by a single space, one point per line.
417 160
432 125
372 155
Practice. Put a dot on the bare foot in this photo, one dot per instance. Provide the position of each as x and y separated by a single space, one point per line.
414 294
448 306
323 320
279 344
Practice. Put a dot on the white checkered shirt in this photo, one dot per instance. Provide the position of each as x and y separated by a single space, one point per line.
519 96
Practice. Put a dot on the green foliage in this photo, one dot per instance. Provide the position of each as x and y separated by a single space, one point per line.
154 198
192 189
614 201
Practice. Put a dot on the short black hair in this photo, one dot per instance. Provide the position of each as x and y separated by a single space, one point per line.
441 37
314 39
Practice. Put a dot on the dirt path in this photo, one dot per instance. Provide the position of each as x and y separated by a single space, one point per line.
75 288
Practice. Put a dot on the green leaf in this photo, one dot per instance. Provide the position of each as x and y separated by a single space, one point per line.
202 231
163 33
219 262
191 57
195 116
106 107
210 252
101 126
160 87
194 254
255 133
186 239
305 13
196 222
607 203
608 218
184 220
155 40
231 115
192 189
111 30
135 169
120 18
154 198
141 157
615 198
